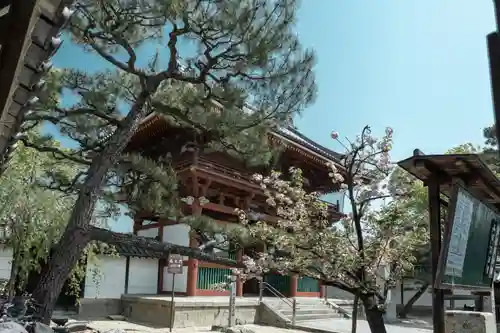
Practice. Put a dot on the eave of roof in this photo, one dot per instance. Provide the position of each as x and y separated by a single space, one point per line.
288 135
36 22
470 168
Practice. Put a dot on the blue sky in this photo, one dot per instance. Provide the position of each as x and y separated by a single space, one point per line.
418 66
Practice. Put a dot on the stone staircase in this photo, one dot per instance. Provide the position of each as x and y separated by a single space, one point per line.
309 308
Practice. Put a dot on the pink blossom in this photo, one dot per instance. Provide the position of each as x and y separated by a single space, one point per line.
334 135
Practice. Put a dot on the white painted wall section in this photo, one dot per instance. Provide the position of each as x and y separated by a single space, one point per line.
5 262
109 282
143 278
176 234
143 272
152 232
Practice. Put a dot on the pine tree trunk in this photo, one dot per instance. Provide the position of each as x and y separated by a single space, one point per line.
65 256
77 233
11 285
354 316
374 316
407 308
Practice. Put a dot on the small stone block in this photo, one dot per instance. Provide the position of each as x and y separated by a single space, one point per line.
469 322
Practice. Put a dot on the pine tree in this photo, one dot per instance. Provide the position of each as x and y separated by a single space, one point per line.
245 52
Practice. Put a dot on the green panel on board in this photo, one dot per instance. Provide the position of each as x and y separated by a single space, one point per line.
469 247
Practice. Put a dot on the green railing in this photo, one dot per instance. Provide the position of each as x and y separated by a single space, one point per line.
308 285
208 277
279 282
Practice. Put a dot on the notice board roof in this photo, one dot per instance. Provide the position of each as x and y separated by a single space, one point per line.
469 168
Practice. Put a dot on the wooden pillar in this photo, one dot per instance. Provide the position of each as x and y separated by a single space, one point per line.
135 229
435 238
294 281
239 282
161 263
322 289
192 278
127 274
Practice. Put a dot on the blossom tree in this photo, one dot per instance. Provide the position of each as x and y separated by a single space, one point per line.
349 253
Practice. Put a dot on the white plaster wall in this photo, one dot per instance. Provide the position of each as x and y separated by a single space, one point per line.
152 232
143 278
176 234
110 281
5 262
143 273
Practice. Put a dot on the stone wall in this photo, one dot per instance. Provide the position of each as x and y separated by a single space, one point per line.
99 307
266 316
469 322
156 311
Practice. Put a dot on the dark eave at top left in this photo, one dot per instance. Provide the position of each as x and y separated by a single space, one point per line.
27 29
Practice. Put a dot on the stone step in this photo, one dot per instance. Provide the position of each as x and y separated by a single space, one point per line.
315 317
320 311
311 309
299 306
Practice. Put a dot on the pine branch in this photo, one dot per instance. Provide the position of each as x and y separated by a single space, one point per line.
56 152
146 243
80 111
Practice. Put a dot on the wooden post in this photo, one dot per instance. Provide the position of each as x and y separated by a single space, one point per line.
161 264
196 210
294 281
127 274
192 278
239 282
494 59
435 238
322 289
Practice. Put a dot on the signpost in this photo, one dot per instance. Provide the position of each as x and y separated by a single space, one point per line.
175 266
470 243
232 302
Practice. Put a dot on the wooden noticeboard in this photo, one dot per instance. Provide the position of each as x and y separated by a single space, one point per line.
470 242
175 264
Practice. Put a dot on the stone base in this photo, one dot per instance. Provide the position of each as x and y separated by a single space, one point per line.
99 307
155 311
469 322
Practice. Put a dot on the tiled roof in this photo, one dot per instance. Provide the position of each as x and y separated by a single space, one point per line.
135 251
299 138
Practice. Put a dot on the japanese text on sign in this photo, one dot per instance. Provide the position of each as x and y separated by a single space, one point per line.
175 264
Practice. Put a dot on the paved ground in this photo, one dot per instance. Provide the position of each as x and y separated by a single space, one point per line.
344 326
329 325
103 325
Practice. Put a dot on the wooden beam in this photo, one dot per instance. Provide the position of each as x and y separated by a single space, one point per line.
4 32
494 62
4 3
435 240
21 16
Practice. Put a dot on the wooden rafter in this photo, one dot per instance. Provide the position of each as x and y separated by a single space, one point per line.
20 20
